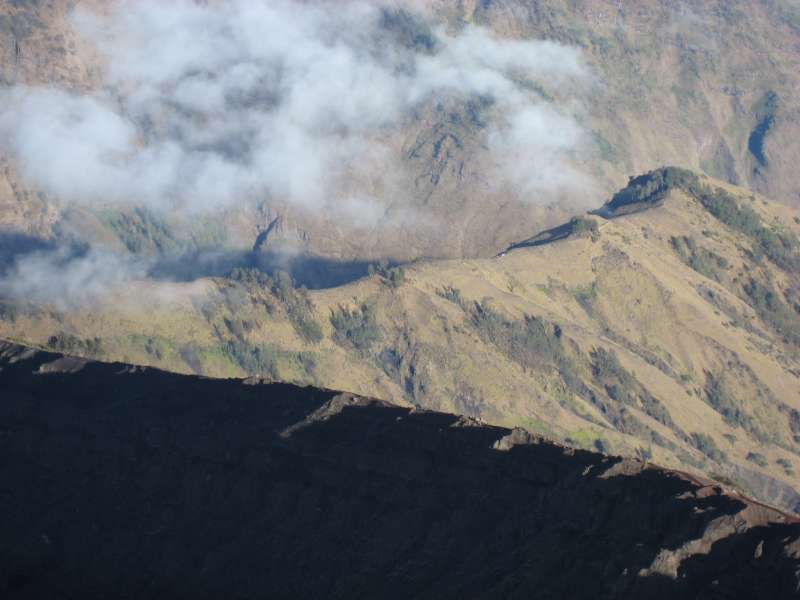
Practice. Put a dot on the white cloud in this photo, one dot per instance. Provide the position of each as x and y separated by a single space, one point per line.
533 144
208 104
67 277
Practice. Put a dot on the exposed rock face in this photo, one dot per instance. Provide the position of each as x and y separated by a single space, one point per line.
126 482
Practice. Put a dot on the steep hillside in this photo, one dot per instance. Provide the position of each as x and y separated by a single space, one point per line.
669 332
123 482
708 86
437 166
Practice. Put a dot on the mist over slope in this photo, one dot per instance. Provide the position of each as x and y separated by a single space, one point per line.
329 125
126 482
358 131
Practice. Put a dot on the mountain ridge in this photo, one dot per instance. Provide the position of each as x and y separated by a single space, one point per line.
351 490
666 334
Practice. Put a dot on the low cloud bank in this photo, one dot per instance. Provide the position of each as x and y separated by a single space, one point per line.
205 105
72 275
67 276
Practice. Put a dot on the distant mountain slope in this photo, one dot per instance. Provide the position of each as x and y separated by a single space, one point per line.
704 85
709 86
670 333
123 482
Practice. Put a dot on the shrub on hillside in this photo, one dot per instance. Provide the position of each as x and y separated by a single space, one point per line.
650 188
757 458
582 225
622 386
708 446
255 360
767 302
71 344
530 342
780 247
296 301
141 230
356 328
452 294
722 400
702 260
391 276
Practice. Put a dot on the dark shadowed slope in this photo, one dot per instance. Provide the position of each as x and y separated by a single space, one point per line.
117 481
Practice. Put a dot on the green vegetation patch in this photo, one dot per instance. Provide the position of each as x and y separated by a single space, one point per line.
582 225
765 110
622 386
255 360
586 296
722 400
296 301
452 295
260 360
141 230
781 247
759 459
70 344
391 276
531 342
583 439
575 227
788 468
767 302
708 446
357 328
648 190
539 345
269 361
704 261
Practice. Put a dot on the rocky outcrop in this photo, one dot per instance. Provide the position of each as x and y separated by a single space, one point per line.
118 481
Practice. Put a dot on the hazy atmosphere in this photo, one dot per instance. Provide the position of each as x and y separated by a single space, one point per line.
205 106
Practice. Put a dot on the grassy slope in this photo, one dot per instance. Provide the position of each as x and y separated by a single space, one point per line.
625 289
